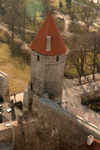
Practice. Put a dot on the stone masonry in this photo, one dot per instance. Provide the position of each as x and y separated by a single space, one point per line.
47 75
4 87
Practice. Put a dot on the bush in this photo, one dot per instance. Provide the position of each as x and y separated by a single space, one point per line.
60 24
2 10
17 49
76 28
95 108
4 36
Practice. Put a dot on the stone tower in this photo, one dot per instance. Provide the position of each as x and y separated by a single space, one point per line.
47 62
4 87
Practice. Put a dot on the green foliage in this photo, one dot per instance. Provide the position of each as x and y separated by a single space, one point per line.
33 7
89 3
95 108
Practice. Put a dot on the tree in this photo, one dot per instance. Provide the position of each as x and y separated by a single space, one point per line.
68 4
2 9
0 3
14 15
72 16
34 7
87 16
60 4
10 17
18 8
78 49
94 48
47 7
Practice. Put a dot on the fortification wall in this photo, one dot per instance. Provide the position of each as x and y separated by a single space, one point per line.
50 124
4 87
57 116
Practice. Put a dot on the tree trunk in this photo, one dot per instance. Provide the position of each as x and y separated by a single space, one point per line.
80 79
24 25
82 66
93 75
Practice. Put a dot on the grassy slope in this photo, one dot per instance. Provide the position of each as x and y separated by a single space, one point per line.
17 70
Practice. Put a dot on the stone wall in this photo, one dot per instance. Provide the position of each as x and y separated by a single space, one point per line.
56 116
4 87
47 75
48 117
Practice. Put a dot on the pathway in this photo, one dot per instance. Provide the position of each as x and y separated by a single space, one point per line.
71 94
19 97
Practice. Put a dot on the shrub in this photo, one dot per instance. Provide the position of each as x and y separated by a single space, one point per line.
95 108
4 36
17 49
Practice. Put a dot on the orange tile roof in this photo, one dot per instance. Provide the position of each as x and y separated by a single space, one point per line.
49 28
94 146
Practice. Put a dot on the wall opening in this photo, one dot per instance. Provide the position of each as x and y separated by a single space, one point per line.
38 58
51 96
31 86
57 58
1 99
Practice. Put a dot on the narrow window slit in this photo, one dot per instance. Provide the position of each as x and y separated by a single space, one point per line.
57 58
38 57
31 86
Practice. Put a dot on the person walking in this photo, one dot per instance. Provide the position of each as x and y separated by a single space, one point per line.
15 97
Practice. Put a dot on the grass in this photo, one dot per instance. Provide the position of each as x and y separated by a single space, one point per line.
88 3
55 3
74 7
30 24
18 71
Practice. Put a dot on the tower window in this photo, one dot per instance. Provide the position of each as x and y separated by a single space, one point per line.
31 86
57 58
48 43
38 57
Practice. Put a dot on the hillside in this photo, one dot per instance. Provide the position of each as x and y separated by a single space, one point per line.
18 71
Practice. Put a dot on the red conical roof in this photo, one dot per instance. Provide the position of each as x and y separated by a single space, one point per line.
49 28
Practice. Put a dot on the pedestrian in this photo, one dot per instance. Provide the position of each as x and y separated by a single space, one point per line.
15 97
89 105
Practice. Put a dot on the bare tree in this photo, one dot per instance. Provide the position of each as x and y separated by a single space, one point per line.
88 17
15 14
47 6
94 48
77 54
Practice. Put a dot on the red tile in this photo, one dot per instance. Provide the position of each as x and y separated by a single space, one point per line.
49 28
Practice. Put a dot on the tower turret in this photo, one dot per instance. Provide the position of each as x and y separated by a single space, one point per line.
47 61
